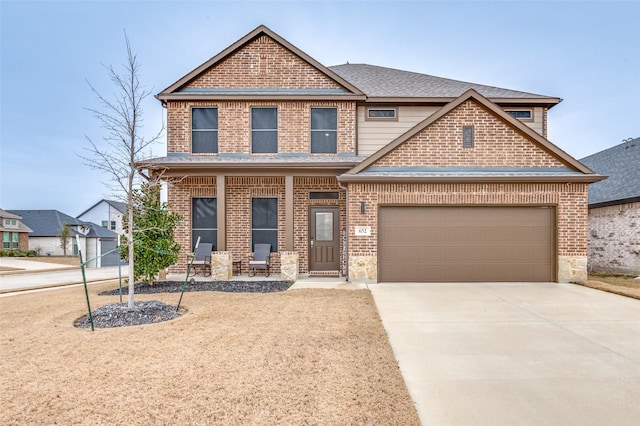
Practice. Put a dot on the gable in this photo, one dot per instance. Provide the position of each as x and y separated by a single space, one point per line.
433 150
496 144
260 64
263 64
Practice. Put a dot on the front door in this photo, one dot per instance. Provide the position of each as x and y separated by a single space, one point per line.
324 241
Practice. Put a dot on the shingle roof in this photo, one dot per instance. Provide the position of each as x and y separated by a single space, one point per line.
242 160
376 81
622 164
21 227
48 223
118 205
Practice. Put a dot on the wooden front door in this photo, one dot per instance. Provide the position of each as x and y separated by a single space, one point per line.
324 241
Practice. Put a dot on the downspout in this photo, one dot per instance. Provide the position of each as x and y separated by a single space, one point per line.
346 224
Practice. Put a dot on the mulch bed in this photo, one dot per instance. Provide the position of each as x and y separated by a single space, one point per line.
153 311
226 286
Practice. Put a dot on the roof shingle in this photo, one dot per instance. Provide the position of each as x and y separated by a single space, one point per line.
622 164
376 81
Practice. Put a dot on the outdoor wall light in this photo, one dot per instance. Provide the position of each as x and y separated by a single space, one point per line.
362 207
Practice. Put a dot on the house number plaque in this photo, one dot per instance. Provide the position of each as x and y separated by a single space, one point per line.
363 231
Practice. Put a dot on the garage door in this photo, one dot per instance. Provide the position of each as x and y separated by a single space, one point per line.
461 244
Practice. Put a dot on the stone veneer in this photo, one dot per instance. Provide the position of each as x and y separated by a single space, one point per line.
363 268
289 265
572 268
221 265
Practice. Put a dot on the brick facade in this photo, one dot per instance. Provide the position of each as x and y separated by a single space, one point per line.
302 187
263 63
260 62
179 197
234 125
569 200
495 144
614 239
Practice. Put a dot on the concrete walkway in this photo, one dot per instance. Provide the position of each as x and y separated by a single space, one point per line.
515 353
42 274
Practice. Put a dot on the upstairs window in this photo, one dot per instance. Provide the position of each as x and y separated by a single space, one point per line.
204 130
521 114
388 114
264 130
264 222
324 130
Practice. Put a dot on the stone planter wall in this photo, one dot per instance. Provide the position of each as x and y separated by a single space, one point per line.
289 265
221 265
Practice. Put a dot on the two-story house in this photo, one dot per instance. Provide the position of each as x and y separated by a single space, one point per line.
369 172
15 234
109 213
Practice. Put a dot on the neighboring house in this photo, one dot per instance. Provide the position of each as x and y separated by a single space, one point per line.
47 226
614 209
108 213
15 234
368 172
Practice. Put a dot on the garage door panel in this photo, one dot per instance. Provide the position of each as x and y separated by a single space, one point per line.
466 244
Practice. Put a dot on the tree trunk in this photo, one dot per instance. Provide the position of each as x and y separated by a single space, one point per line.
130 303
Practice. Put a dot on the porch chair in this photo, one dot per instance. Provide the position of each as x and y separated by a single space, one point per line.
260 259
202 259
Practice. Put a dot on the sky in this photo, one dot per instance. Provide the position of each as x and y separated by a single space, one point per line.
585 52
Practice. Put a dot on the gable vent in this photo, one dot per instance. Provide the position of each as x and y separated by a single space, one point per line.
467 136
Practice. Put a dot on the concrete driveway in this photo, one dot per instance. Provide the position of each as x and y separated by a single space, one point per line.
515 353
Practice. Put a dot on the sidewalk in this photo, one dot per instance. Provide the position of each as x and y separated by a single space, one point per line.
41 274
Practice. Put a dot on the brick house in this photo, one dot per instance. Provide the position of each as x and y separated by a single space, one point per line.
368 172
15 234
614 209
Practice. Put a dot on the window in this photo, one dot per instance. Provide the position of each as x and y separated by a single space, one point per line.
324 130
382 114
324 196
113 225
11 223
264 130
264 222
204 130
521 114
204 221
11 240
467 137
105 224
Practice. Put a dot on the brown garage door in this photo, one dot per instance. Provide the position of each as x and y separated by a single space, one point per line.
460 244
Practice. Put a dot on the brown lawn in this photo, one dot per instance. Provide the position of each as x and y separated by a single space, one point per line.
625 285
58 260
297 357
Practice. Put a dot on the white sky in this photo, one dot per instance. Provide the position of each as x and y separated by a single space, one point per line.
585 52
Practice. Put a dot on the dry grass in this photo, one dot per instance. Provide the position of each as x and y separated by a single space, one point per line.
60 260
297 357
624 285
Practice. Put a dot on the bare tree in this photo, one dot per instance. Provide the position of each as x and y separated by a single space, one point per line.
123 144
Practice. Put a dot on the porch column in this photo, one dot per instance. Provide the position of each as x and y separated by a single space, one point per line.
222 213
289 212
